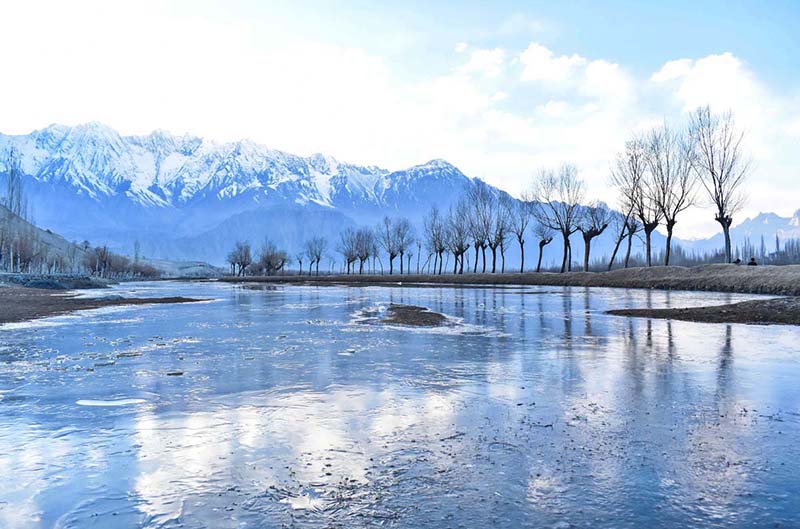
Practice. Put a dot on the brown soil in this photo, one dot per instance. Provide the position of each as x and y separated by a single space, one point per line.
21 304
781 311
412 315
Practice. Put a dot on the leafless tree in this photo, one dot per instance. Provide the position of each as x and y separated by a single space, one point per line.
387 238
721 164
519 216
404 239
544 235
365 247
619 226
239 258
482 205
594 221
435 231
271 260
557 196
13 199
669 158
314 249
347 246
633 180
457 234
499 230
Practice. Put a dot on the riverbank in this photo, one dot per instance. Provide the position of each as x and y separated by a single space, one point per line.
776 280
22 304
777 311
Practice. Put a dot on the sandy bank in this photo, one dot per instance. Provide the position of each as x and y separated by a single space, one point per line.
781 311
21 304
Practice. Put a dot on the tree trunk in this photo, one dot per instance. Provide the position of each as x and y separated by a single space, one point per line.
614 254
648 232
502 260
587 246
628 251
521 255
565 236
461 268
391 264
494 260
441 262
539 262
318 260
455 263
483 252
475 267
668 250
401 263
725 222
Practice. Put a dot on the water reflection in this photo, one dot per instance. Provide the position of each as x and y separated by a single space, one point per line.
535 409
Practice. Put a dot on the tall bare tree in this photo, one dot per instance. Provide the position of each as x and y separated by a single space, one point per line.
594 221
435 235
633 180
347 246
240 257
544 235
721 165
619 226
558 195
13 199
519 217
669 157
404 238
314 249
387 238
482 205
458 237
498 235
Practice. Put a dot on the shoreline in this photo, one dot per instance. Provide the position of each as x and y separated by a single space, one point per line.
774 280
19 304
775 311
771 280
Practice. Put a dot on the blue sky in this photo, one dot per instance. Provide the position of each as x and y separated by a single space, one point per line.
498 88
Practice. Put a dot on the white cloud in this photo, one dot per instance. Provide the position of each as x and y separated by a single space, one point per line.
672 70
489 63
220 78
540 64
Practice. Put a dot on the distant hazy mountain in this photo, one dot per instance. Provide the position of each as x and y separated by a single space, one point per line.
184 197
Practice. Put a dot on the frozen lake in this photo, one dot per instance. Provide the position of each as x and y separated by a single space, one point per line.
289 406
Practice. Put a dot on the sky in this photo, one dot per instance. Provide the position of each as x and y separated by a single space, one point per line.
500 89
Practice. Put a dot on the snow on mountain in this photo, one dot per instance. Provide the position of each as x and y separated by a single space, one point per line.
88 181
184 197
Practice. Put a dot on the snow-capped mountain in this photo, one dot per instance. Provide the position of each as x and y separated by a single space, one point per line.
184 197
90 182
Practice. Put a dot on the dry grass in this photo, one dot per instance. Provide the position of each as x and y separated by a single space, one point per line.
777 280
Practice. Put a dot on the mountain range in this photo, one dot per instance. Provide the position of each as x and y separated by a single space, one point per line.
184 197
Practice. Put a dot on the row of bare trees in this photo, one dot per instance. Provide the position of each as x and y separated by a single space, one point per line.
658 176
269 261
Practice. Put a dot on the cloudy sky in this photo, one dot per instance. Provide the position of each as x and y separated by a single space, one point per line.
499 89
